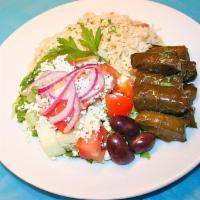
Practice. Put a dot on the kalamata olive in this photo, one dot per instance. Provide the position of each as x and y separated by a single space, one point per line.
124 125
143 142
119 150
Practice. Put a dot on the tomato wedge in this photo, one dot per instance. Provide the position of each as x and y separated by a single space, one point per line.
107 69
118 104
126 88
61 125
57 109
93 148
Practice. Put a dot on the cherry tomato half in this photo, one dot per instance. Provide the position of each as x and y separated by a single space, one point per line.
118 104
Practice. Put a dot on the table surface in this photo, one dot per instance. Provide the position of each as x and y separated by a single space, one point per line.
14 13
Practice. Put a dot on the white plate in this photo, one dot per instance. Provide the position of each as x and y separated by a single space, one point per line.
77 178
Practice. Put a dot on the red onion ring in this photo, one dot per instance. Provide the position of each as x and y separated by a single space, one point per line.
62 94
68 108
75 116
37 82
100 82
93 75
47 86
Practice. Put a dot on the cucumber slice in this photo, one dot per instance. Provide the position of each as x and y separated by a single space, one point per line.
47 137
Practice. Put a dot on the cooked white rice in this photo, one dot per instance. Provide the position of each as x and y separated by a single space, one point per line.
121 37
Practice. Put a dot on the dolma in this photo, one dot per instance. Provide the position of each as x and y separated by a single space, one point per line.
164 63
161 99
188 72
181 51
166 127
188 116
158 79
191 91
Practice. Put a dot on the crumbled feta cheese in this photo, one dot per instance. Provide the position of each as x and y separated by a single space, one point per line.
82 84
32 106
92 120
108 83
58 64
106 125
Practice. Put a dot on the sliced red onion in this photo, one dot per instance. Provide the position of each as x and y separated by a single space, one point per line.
48 85
36 82
51 80
54 91
62 94
43 74
50 95
75 116
71 94
93 75
98 88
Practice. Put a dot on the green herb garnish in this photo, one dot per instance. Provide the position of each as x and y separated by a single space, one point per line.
34 90
113 29
90 161
146 155
19 108
133 113
28 79
34 132
91 41
109 21
70 154
112 131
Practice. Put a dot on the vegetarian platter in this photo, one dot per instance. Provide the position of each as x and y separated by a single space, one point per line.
115 88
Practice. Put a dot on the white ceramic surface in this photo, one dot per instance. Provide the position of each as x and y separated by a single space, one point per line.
75 177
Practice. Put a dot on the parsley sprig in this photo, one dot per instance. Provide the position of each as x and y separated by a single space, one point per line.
89 41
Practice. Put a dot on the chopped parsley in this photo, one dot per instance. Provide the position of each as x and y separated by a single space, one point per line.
109 21
113 29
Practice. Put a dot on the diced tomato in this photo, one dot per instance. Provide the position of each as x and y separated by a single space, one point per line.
107 69
126 88
57 109
118 104
92 149
61 125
